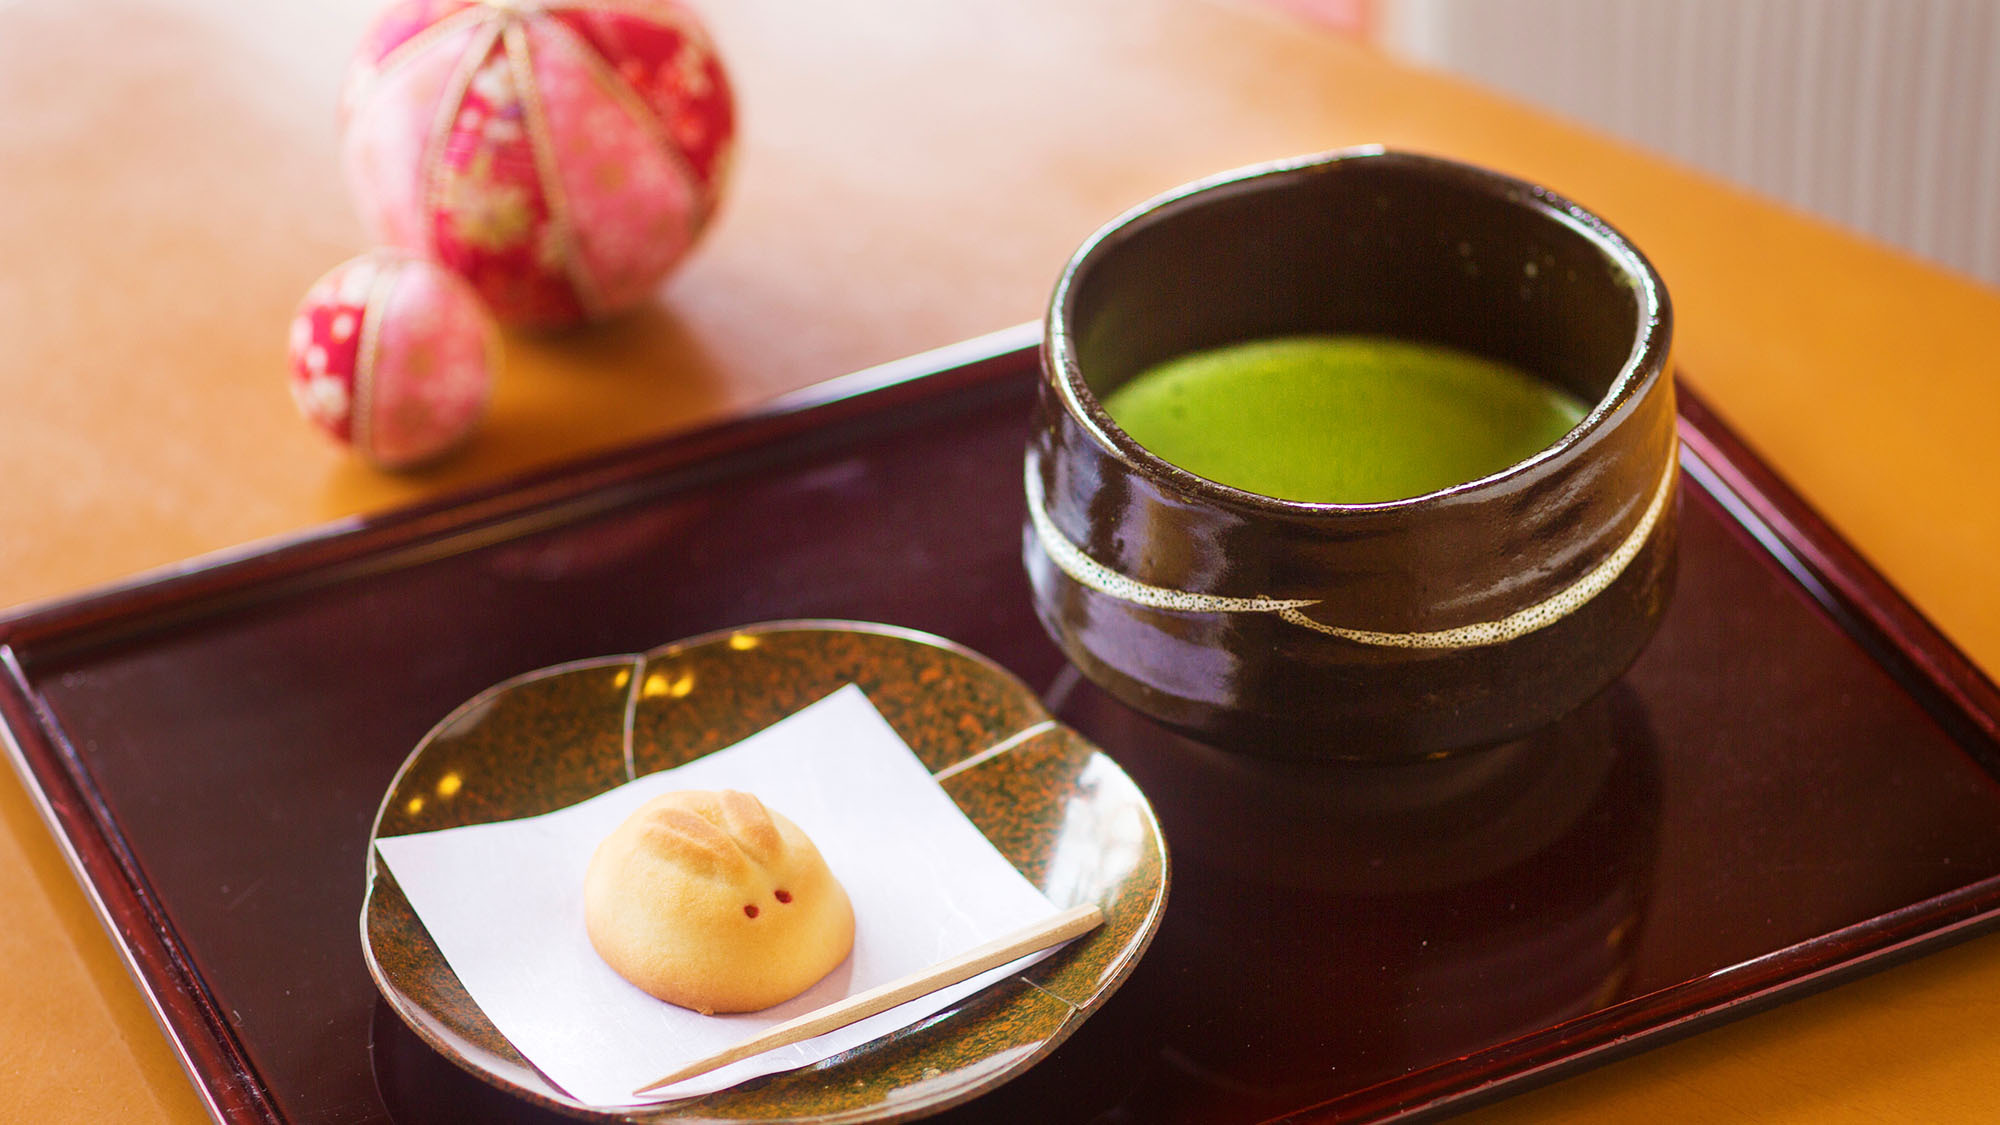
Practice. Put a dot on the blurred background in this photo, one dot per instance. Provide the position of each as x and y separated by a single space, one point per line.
1879 115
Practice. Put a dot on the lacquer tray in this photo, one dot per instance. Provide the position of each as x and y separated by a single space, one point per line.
1792 785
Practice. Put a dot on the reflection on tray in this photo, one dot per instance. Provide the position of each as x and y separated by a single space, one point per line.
1366 919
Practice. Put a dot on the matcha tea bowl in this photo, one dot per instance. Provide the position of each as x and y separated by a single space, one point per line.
1368 455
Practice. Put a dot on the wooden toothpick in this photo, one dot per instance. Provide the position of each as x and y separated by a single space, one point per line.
1050 931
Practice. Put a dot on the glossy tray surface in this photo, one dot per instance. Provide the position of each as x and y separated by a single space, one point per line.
1787 786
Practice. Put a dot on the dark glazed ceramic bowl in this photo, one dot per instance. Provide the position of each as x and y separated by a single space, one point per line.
1385 631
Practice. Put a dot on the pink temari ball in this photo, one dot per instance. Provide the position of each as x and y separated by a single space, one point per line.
393 356
562 155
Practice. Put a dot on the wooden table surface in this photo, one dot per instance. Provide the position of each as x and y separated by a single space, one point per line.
912 173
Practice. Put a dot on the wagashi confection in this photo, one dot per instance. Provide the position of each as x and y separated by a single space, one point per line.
711 901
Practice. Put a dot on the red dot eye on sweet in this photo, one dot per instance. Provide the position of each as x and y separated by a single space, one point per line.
749 910
783 896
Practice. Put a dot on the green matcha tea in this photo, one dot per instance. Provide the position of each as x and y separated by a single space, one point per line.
1341 419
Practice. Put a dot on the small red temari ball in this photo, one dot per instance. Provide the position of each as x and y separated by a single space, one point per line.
393 356
561 155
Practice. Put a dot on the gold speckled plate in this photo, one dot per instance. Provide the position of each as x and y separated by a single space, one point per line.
1038 790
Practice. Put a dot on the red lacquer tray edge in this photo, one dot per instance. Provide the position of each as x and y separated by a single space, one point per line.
118 894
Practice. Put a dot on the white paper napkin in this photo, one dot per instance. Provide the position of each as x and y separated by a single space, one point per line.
504 902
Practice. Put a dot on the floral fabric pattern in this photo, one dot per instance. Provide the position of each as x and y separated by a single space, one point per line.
634 207
666 59
562 157
490 218
326 345
392 355
433 367
384 144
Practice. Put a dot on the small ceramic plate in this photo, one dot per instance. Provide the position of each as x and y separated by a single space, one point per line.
1038 790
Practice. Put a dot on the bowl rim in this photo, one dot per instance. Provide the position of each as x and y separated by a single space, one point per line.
1645 363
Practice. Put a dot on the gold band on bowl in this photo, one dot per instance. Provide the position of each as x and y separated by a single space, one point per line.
1086 571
